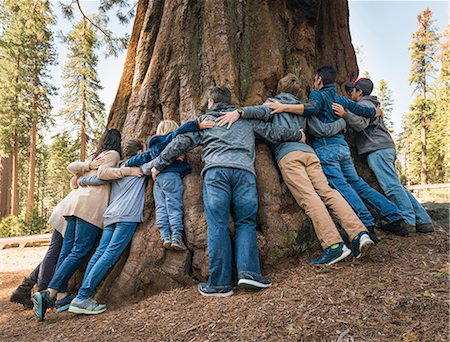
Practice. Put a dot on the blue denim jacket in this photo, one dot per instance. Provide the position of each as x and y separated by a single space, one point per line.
159 142
321 101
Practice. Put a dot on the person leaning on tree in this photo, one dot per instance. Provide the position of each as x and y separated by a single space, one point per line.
373 140
229 183
304 177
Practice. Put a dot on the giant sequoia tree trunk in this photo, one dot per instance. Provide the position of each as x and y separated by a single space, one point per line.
179 49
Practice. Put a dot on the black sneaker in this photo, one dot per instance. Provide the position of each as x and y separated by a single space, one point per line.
396 228
424 228
209 291
63 304
361 244
41 302
332 254
22 294
373 234
253 281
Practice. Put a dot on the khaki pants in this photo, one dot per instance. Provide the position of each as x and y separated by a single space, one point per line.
305 179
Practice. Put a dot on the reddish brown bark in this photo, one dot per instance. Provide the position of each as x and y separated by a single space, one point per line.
32 172
5 186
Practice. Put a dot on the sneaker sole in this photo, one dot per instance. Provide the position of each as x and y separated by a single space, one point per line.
37 306
80 311
222 295
178 247
252 284
342 256
364 247
63 308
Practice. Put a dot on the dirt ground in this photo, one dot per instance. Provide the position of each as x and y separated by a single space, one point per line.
398 293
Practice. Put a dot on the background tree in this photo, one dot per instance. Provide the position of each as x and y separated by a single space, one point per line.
384 94
423 51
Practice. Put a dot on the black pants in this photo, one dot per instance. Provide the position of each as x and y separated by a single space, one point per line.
43 272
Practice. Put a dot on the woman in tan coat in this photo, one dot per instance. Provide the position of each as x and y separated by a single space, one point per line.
84 216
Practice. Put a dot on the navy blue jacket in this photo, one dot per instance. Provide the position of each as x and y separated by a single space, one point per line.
321 101
157 144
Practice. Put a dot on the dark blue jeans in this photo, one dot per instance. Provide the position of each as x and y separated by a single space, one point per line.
43 273
114 239
168 195
79 239
225 189
337 164
382 163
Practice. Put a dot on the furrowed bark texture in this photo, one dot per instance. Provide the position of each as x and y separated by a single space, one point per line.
178 50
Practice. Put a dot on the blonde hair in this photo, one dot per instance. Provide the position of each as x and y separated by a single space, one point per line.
166 126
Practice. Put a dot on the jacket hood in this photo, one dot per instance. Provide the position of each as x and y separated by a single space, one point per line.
286 98
220 107
372 99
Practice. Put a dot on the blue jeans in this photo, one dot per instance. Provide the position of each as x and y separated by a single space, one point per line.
382 163
168 195
337 165
112 243
78 241
225 189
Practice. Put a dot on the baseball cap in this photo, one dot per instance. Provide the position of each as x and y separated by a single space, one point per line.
362 83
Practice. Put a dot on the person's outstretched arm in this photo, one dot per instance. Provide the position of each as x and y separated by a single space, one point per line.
356 122
180 145
92 181
139 159
312 107
356 108
276 134
325 130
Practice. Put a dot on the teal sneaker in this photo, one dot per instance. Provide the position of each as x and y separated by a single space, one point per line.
41 302
332 254
86 307
361 244
63 304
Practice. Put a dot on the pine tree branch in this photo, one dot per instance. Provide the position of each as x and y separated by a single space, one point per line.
92 23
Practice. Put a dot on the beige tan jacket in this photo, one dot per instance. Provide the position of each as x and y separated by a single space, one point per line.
89 203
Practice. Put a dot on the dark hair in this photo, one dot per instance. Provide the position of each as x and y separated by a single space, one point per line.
110 140
328 74
132 147
289 84
220 94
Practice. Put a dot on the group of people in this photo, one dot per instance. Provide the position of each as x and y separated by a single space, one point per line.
108 195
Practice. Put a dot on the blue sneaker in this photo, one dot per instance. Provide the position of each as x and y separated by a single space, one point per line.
361 244
63 304
332 254
210 291
41 302
86 307
253 281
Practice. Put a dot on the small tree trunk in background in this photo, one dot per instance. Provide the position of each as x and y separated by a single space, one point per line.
423 155
5 186
178 49
15 176
32 172
83 128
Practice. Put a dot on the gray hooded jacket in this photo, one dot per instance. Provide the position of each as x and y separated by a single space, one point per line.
370 133
222 147
311 124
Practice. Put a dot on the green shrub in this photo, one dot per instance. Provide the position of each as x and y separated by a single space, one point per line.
12 226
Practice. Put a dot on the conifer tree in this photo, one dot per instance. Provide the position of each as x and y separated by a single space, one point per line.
384 94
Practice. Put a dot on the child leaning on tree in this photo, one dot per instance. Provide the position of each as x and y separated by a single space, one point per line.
168 187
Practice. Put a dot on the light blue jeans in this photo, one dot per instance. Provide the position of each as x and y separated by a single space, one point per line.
337 164
168 195
382 163
226 189
114 239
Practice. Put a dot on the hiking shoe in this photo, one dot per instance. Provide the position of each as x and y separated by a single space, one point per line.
424 228
209 291
411 229
332 254
178 244
86 307
361 244
41 302
396 228
167 242
63 304
22 294
372 234
253 281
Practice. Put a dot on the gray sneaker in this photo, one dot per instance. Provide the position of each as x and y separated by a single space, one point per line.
178 244
86 307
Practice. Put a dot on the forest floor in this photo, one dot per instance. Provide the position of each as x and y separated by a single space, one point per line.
400 292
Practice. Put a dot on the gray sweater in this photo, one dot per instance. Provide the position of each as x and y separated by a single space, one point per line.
311 124
126 201
222 147
370 133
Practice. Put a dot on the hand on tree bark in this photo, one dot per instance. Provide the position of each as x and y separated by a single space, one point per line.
228 118
338 109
